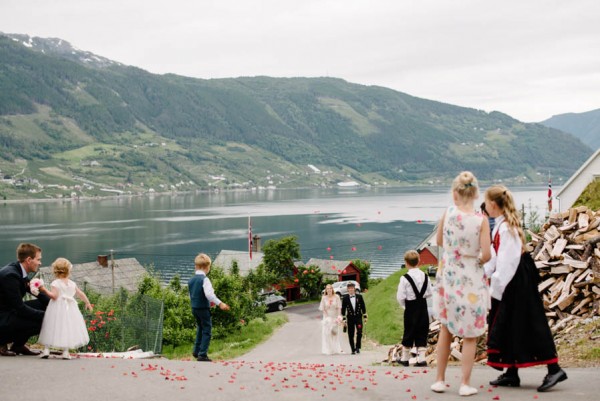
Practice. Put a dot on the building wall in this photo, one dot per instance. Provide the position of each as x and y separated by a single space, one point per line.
573 188
427 258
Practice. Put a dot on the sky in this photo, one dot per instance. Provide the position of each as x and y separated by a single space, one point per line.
531 59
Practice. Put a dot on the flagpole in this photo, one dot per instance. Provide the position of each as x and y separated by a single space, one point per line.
249 241
549 193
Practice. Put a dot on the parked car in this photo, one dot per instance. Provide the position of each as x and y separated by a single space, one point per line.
272 301
341 287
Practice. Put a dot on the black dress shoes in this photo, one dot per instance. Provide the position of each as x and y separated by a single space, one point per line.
4 351
23 350
551 379
204 358
505 380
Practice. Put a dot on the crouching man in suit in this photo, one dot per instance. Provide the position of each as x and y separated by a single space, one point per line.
353 311
20 320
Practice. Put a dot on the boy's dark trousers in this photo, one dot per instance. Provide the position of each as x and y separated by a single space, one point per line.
203 331
355 322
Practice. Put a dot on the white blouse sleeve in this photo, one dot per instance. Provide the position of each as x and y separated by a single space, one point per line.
507 261
401 294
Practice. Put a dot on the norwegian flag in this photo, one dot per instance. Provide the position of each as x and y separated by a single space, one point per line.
549 195
250 237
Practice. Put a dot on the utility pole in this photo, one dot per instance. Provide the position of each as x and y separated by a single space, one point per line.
112 264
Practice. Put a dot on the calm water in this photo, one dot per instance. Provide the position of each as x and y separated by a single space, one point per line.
378 225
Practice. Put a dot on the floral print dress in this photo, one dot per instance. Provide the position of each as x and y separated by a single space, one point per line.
461 297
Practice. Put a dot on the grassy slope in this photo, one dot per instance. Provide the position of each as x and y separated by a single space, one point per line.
385 325
590 196
257 331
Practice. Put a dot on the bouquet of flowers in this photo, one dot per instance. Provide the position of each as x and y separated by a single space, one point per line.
339 320
34 286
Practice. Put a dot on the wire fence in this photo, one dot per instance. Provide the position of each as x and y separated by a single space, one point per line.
134 322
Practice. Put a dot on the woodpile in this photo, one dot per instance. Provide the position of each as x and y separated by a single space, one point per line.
567 254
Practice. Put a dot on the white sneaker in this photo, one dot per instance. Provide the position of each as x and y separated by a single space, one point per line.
45 353
66 355
466 390
438 387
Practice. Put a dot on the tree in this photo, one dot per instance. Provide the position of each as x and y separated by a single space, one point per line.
279 256
310 278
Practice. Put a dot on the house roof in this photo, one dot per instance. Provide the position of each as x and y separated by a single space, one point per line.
329 267
578 174
225 260
128 273
429 242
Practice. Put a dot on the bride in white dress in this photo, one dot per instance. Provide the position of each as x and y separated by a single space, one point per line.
331 306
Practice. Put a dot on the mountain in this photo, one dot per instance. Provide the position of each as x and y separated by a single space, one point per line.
585 126
73 123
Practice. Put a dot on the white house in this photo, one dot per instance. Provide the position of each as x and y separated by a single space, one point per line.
588 172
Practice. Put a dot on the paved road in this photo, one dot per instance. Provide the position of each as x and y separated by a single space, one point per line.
288 367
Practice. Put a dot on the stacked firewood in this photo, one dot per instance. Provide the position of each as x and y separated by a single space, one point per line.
567 254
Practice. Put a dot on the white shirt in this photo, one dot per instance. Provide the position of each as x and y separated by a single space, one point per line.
405 291
353 301
209 291
23 271
502 266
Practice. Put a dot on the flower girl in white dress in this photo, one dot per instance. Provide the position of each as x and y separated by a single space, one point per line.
63 325
331 306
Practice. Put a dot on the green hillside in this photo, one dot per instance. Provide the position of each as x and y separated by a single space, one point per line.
69 125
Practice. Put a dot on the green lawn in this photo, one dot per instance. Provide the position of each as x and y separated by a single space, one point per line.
385 325
235 344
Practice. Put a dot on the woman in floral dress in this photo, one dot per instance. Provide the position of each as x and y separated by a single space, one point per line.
461 296
331 306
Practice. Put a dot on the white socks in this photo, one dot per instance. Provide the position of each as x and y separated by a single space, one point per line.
405 354
421 354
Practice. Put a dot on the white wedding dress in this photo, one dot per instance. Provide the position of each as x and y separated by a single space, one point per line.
64 326
331 308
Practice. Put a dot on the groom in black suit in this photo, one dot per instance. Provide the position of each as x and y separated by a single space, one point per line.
353 311
20 320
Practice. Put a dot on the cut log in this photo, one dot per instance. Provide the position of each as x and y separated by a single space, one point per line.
572 215
576 264
583 220
559 247
568 227
567 301
545 284
590 245
551 234
561 269
587 236
576 247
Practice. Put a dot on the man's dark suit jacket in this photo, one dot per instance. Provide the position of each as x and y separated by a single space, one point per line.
13 288
350 313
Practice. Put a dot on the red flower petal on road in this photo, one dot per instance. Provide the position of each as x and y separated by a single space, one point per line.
496 397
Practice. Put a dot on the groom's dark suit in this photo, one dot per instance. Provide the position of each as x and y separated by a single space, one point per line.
19 320
354 319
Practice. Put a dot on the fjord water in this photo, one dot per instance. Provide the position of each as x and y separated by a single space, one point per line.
167 231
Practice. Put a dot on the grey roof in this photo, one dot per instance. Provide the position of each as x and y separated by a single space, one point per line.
327 265
225 260
128 273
